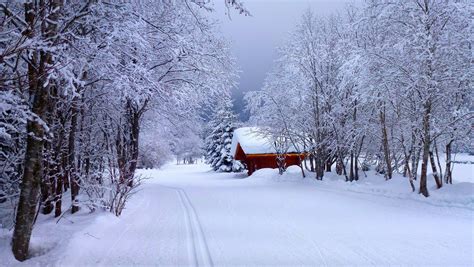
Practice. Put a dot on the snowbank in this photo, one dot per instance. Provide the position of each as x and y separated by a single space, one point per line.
459 195
267 175
51 238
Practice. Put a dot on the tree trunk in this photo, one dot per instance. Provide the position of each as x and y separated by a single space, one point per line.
127 144
311 162
439 182
344 170
427 105
416 161
134 137
356 168
301 159
386 148
438 162
47 182
426 150
51 150
447 172
406 161
339 166
409 156
60 163
328 165
353 170
410 177
423 186
71 171
351 167
319 165
30 184
58 197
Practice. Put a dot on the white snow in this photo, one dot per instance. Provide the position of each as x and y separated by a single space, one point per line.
251 140
254 141
187 215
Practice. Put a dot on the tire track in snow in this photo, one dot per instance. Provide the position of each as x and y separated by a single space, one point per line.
192 255
199 251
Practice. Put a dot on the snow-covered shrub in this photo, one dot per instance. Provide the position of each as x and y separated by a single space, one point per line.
95 187
121 192
237 166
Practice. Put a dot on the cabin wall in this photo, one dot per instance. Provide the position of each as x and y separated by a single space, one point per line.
268 161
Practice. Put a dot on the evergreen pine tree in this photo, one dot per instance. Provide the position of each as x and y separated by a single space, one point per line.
218 142
211 140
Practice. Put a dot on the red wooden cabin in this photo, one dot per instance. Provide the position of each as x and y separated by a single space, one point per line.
256 151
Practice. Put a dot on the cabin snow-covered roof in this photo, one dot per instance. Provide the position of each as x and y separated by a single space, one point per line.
253 141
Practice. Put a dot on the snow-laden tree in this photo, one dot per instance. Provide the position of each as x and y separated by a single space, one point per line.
218 142
304 94
385 84
77 78
155 148
423 60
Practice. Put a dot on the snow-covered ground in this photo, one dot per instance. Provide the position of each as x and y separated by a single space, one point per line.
188 215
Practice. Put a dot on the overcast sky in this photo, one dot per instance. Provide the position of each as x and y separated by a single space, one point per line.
254 39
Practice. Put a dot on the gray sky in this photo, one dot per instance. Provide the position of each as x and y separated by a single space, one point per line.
254 40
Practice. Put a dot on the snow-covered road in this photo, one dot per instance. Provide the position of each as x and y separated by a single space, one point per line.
187 215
